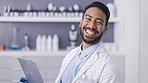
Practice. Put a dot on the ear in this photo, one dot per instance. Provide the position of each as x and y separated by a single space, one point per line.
105 30
80 23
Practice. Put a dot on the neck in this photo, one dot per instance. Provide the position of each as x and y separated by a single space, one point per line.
85 45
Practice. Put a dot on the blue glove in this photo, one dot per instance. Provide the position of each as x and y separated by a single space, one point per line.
23 80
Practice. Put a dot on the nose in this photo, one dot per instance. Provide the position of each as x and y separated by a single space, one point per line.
93 25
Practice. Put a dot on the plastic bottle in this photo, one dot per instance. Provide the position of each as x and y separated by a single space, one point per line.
55 42
38 43
43 43
5 11
49 43
112 9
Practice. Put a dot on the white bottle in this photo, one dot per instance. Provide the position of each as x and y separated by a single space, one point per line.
43 43
49 43
5 11
50 6
38 42
112 9
55 42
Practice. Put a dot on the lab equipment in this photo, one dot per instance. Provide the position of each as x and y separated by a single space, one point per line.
73 35
15 44
26 41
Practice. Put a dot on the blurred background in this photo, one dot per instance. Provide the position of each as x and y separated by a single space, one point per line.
40 30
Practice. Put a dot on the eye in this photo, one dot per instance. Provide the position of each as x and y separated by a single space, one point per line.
89 19
99 22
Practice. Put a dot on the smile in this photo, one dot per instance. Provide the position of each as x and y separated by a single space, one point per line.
90 33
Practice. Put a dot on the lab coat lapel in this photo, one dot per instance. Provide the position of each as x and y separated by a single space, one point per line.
93 58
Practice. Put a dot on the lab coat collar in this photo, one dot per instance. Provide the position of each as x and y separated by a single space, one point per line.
93 58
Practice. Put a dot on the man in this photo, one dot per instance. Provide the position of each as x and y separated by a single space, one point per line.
90 62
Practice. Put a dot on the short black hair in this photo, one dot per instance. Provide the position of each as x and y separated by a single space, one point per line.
101 6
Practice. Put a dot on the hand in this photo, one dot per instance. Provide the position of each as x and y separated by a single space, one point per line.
23 80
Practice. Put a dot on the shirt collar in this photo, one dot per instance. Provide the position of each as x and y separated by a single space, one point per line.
89 50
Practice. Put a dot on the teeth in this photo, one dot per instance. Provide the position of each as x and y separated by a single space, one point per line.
89 32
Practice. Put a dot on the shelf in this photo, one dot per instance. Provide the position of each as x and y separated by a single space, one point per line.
45 19
33 53
43 53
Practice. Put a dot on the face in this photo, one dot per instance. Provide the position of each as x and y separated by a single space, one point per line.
92 26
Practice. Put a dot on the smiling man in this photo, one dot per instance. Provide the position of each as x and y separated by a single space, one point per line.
90 62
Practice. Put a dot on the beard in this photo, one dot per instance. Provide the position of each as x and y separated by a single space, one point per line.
93 40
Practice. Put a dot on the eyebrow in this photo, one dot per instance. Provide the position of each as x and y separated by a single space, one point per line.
92 17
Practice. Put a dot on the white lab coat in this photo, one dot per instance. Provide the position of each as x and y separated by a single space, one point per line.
99 68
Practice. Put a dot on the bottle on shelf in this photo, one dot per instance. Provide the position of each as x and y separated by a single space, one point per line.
38 43
6 11
55 42
43 43
112 9
49 43
50 7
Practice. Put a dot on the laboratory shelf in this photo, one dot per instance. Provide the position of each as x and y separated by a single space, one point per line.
45 19
45 53
33 53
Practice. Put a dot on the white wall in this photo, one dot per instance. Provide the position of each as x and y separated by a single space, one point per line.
127 36
144 41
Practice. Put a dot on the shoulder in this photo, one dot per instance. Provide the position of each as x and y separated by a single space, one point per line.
110 68
106 58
